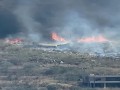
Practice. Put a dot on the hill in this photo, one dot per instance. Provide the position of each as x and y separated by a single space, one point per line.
24 68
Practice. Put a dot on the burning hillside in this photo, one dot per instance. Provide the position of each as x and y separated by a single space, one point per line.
93 39
99 39
58 38
95 44
92 44
46 44
79 23
14 41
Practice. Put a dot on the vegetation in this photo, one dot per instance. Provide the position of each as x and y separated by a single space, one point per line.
38 69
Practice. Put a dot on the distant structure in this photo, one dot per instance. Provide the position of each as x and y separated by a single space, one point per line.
102 81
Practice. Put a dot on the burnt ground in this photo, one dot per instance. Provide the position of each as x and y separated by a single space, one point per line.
40 69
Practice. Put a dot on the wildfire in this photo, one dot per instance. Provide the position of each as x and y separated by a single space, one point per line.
56 37
14 41
92 39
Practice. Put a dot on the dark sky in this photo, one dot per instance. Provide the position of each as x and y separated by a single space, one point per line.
36 19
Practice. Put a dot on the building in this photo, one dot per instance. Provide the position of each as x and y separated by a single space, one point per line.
102 81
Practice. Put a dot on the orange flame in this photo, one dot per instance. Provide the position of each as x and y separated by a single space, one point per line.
14 41
56 37
99 38
93 39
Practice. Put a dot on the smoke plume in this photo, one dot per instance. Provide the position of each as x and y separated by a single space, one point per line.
36 19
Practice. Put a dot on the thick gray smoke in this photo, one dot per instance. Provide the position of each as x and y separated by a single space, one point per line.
36 19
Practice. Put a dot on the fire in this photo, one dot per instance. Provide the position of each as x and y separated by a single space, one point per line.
56 37
14 41
92 39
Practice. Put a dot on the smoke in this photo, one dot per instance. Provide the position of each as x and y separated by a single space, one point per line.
24 13
8 21
36 19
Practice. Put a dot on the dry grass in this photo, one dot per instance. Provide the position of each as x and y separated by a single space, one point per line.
29 67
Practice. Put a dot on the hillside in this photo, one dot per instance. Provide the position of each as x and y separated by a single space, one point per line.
45 69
